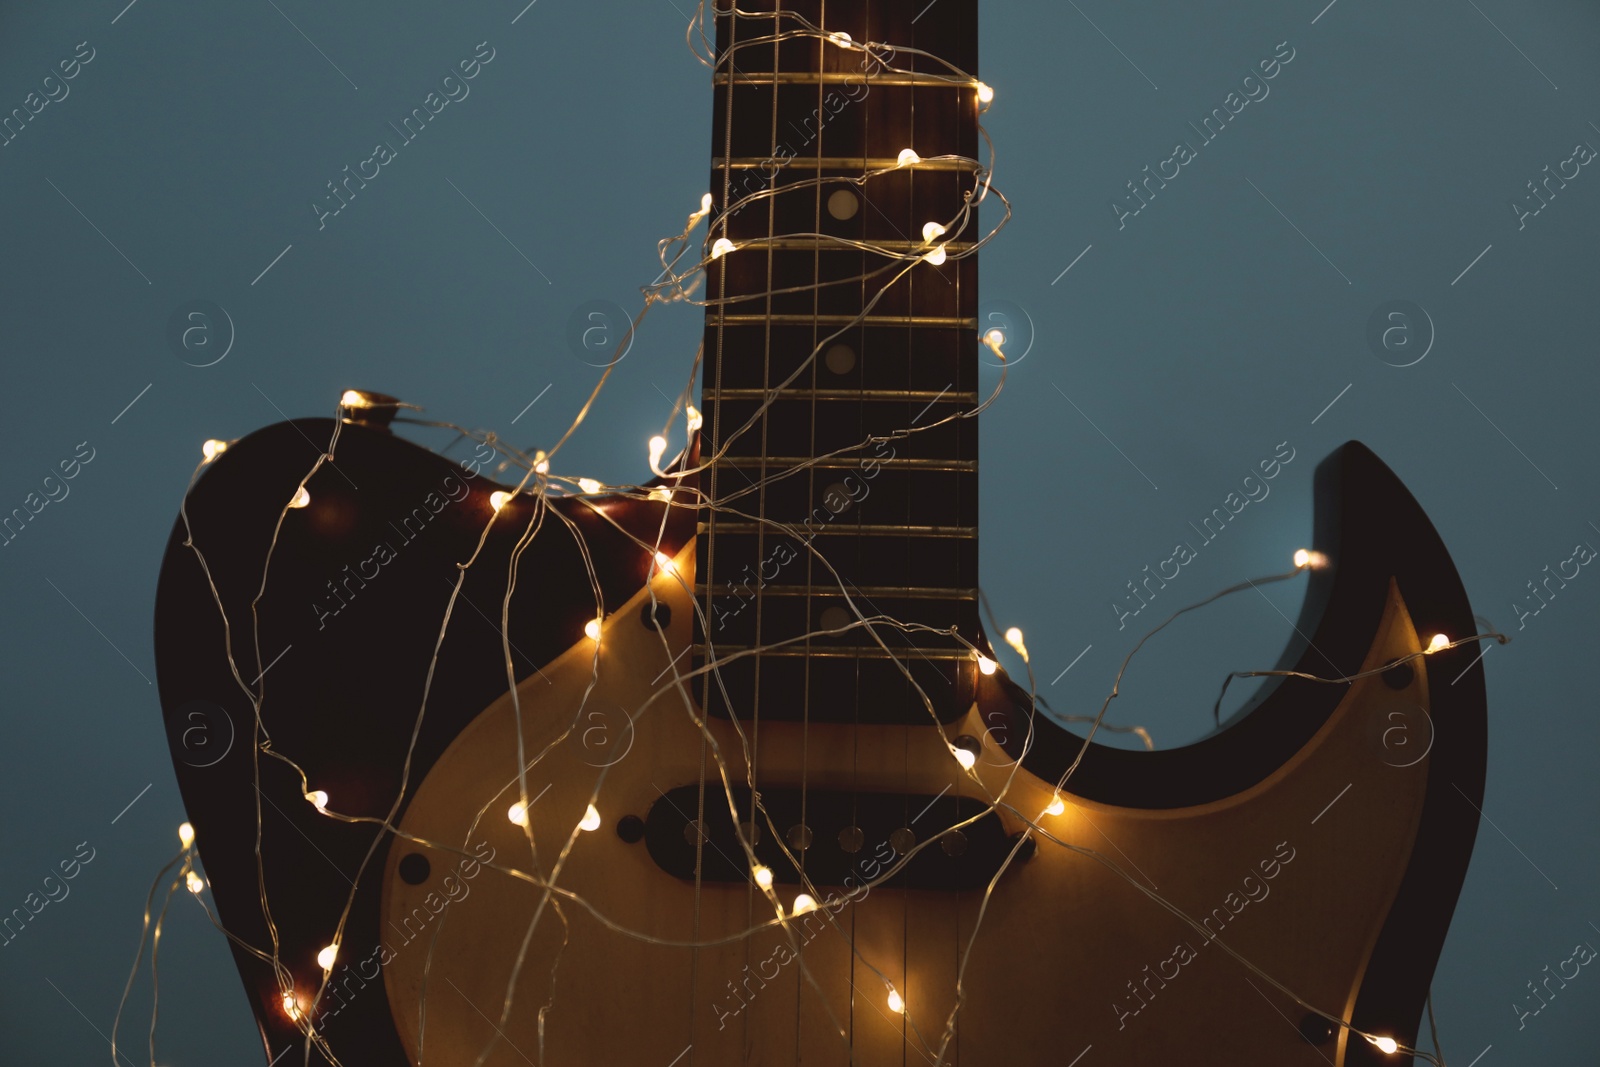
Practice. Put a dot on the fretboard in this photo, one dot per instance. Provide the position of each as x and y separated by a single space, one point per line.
815 489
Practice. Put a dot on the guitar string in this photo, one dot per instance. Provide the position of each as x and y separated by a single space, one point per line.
268 750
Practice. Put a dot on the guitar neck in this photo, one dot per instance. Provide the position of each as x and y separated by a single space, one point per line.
828 338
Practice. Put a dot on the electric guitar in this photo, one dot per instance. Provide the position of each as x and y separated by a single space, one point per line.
720 769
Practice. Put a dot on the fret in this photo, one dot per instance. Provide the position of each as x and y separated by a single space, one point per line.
834 651
835 77
829 242
838 394
719 525
865 592
848 462
947 321
853 165
816 120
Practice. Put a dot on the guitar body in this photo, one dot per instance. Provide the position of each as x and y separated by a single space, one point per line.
721 771
1308 836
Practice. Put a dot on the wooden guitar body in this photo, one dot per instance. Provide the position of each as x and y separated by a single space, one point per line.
1309 837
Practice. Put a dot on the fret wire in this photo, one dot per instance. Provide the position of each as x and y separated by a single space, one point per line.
950 533
837 77
840 651
797 392
894 592
927 321
848 163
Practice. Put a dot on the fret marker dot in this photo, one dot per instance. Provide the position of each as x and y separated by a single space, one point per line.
835 618
843 204
836 498
841 359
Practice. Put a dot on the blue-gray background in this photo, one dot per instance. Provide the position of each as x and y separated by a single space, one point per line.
1191 342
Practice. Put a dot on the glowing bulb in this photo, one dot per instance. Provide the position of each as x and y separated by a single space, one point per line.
213 448
591 629
721 247
936 257
842 39
964 757
290 1007
353 399
986 665
589 485
930 230
541 465
1307 558
328 954
803 904
1057 806
1439 641
705 204
995 338
696 420
763 877
897 1003
664 564
318 799
661 494
590 820
1386 1044
497 499
301 498
985 94
658 446
1014 638
195 882
185 835
518 813
907 158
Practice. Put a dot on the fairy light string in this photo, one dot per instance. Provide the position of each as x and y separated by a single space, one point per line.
683 266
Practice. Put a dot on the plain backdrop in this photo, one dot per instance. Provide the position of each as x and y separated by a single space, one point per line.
1177 351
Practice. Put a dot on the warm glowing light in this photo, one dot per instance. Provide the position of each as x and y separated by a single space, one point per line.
696 420
908 158
803 904
326 957
964 757
986 665
353 399
664 564
936 257
194 882
658 447
1305 557
213 448
590 820
661 494
897 1003
721 247
763 877
541 465
318 799
705 204
591 629
301 498
995 337
842 39
497 499
985 94
1057 806
1439 641
1386 1044
518 813
589 485
931 230
1014 638
185 835
290 1007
